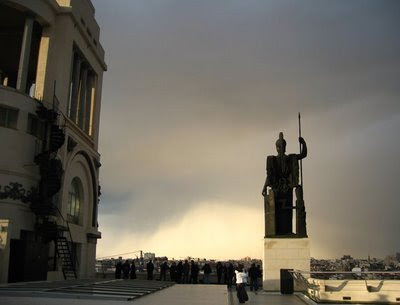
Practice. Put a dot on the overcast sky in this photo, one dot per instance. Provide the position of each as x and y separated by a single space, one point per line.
193 101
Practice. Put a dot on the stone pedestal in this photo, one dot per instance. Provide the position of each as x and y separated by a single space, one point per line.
284 253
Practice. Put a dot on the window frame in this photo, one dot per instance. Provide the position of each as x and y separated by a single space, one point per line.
39 131
9 109
75 201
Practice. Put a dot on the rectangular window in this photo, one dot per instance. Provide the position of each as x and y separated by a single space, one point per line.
35 126
8 117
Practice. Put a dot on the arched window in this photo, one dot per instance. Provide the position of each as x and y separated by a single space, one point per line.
75 200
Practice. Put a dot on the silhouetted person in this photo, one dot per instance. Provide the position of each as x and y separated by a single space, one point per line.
253 275
219 272
186 269
207 270
118 270
241 280
259 273
150 269
125 269
229 277
163 271
225 273
133 270
172 272
179 271
194 272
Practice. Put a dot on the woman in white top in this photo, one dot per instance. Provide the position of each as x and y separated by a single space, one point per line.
241 280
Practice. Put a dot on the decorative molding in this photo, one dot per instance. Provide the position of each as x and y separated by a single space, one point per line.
96 162
15 191
71 144
22 175
95 182
91 235
83 137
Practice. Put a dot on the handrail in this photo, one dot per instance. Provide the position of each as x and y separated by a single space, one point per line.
313 286
115 255
360 275
346 272
297 275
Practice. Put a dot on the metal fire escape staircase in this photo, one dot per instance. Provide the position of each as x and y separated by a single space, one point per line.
63 252
43 206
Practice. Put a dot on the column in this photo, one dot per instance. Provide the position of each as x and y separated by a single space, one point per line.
89 101
82 97
25 54
76 72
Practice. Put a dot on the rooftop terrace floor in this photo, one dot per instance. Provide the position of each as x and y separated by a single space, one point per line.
117 292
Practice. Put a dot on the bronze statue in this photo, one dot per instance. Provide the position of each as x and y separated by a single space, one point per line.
282 178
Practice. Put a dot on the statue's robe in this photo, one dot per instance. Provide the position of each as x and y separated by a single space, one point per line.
282 177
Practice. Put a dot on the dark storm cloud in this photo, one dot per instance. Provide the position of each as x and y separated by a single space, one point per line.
237 62
197 92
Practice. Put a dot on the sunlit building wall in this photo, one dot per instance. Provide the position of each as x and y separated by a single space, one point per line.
51 71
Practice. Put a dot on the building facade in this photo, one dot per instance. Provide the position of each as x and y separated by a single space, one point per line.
51 70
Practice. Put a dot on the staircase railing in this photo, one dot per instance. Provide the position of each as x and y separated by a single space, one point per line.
73 258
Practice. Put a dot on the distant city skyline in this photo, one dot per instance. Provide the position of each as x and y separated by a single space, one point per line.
193 102
131 255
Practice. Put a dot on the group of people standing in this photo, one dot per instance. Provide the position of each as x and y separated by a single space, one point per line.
181 272
126 269
188 273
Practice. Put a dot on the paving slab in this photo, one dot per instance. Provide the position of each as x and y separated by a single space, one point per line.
187 295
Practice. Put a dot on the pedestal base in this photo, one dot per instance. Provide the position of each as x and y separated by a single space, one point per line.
284 253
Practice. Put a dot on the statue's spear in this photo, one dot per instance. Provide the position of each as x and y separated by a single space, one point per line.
301 161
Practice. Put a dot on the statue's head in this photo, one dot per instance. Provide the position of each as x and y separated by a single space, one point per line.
281 144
